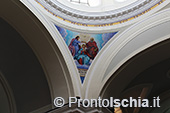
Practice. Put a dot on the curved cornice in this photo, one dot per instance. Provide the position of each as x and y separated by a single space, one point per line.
97 71
99 19
127 44
43 46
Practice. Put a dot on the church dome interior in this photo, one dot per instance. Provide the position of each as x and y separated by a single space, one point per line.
87 49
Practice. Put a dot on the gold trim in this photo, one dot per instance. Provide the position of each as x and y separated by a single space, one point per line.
102 25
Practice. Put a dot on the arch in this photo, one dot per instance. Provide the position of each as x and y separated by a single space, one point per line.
7 101
39 41
127 44
126 76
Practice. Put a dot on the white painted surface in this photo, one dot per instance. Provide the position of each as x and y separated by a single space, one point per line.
119 49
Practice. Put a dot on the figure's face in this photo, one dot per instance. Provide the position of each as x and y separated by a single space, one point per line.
78 38
83 47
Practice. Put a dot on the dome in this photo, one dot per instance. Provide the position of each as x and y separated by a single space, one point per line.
106 13
96 5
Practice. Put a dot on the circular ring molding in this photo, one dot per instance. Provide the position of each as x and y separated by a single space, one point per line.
99 19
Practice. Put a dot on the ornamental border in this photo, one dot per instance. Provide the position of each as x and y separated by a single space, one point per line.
102 25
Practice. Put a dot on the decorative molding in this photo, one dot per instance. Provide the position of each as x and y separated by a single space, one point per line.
132 41
100 19
9 94
97 72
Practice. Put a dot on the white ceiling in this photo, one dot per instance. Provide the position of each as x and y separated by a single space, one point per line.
97 5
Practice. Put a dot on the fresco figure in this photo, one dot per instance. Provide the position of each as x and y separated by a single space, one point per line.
82 56
74 45
92 48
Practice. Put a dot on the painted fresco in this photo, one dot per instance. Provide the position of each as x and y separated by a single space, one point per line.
84 47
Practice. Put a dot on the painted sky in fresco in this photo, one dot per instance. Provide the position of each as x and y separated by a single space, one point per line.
101 39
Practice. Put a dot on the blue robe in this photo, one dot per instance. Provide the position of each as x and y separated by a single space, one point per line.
74 46
82 55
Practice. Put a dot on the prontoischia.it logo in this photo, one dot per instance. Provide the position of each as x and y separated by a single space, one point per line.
111 102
